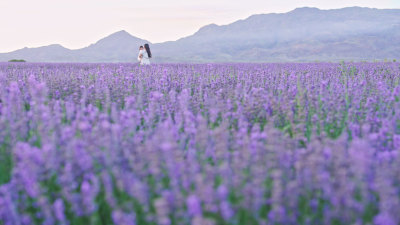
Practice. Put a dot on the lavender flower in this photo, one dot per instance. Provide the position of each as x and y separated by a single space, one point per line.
288 143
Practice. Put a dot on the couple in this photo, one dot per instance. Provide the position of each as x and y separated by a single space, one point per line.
144 55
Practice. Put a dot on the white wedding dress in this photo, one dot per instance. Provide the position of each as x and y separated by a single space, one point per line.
145 59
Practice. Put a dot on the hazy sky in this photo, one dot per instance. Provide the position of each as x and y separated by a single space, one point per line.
78 23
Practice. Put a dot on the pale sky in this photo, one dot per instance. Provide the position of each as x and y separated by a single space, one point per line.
78 23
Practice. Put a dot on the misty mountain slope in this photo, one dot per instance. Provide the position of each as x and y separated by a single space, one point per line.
120 46
50 53
117 47
304 34
277 34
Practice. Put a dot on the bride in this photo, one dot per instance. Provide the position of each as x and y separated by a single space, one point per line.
144 55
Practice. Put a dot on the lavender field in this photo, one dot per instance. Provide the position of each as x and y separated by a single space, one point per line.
211 144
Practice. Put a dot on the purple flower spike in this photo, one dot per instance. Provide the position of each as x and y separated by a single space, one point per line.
194 205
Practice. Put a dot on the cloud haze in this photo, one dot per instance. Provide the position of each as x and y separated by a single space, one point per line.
76 24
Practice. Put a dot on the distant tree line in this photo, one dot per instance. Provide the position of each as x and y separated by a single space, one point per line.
16 60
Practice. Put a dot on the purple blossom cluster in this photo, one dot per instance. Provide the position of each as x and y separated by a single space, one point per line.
315 143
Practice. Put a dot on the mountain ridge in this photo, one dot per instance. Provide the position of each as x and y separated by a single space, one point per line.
303 34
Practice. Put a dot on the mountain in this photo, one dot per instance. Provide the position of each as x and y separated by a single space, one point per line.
304 34
117 47
51 53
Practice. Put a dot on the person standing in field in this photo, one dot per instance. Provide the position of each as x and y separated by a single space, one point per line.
146 55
